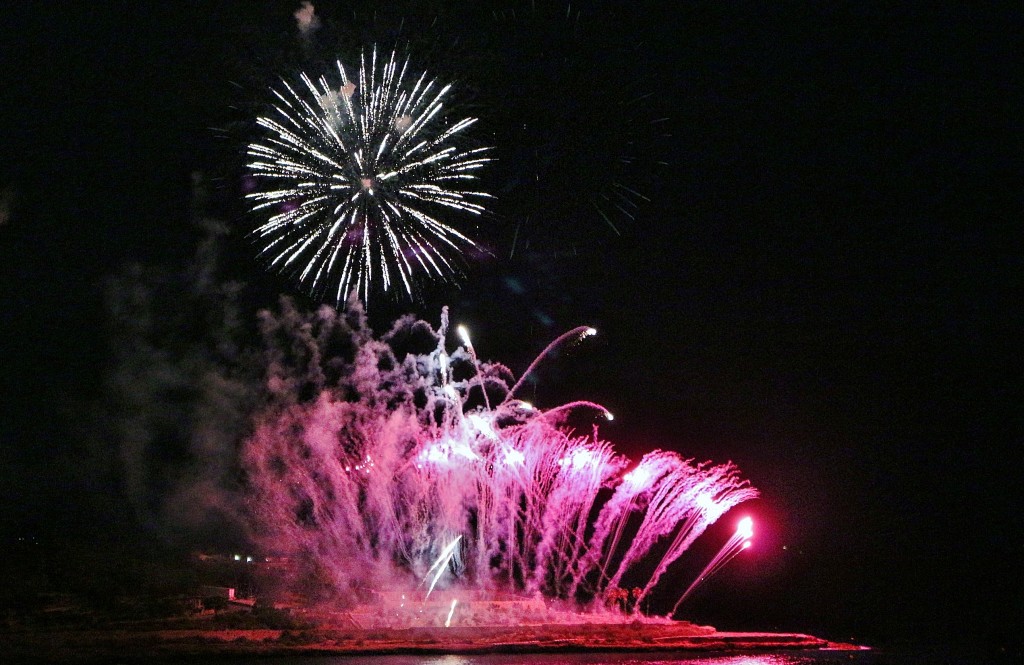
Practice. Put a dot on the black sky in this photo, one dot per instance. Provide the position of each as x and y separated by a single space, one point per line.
825 287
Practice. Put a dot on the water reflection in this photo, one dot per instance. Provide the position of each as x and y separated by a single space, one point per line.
659 659
784 658
765 659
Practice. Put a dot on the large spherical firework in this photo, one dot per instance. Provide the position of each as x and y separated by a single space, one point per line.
360 177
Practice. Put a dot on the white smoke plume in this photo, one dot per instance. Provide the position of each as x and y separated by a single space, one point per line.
178 395
306 19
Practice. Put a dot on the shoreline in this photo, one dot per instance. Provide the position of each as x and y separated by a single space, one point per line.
93 645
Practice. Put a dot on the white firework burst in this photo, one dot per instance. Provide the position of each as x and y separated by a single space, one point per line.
358 176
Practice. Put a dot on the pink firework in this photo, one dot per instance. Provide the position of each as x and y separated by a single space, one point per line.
368 462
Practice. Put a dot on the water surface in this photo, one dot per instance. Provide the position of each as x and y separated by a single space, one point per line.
664 658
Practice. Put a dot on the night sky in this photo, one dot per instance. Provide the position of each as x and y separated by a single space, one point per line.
823 288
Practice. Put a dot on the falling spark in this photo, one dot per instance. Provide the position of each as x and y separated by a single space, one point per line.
355 177
464 336
448 621
442 563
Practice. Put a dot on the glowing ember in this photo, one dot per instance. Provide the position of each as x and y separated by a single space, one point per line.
464 336
745 528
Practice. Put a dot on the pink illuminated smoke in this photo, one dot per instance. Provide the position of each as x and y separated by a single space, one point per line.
393 463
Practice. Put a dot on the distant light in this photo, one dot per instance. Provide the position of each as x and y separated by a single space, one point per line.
464 335
238 557
248 559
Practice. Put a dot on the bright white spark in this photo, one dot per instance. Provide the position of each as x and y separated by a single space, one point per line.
464 336
441 563
448 621
355 176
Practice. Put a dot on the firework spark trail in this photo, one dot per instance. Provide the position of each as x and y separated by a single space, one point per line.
575 334
717 492
565 408
439 566
451 612
727 554
739 541
615 513
688 498
601 465
381 470
355 177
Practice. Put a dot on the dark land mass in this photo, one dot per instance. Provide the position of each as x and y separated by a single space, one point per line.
90 645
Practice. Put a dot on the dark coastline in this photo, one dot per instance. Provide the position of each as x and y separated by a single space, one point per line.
82 646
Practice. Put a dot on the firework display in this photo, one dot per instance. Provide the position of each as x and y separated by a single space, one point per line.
392 467
360 177
388 462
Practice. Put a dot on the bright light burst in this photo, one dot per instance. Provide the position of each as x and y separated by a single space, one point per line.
357 174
